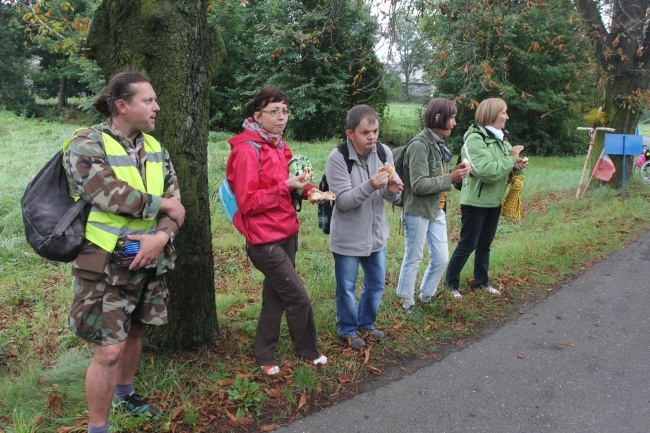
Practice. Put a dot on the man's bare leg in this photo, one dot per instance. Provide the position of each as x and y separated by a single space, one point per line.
128 364
101 378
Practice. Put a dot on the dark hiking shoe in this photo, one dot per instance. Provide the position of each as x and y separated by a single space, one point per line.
354 341
136 404
412 312
375 333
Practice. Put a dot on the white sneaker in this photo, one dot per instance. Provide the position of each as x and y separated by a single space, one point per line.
322 360
270 369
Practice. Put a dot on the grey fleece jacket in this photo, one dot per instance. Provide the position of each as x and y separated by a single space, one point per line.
358 227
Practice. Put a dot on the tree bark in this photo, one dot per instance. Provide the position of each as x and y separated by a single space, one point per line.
63 99
171 42
621 51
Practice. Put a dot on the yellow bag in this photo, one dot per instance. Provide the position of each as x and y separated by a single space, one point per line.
511 206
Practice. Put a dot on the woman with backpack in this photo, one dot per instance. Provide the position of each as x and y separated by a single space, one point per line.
427 180
258 173
492 159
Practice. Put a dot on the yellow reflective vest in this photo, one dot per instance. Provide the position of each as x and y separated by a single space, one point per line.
105 228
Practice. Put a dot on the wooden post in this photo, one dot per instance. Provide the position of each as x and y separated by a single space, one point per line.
592 133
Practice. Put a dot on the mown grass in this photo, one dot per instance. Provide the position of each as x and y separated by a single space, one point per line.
43 365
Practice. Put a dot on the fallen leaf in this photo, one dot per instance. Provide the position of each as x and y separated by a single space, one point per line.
431 355
303 400
53 402
366 355
176 412
566 343
247 420
375 370
231 416
270 427
344 380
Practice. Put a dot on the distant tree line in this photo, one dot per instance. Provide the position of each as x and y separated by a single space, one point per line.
535 55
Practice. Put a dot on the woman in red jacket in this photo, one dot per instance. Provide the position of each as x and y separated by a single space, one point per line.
258 174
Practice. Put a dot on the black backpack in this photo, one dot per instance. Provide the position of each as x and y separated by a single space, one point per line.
325 208
398 159
54 222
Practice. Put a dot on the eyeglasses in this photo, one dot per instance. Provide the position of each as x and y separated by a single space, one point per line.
276 112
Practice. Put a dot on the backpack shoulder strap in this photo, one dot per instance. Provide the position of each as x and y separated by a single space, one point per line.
258 149
343 148
381 152
420 139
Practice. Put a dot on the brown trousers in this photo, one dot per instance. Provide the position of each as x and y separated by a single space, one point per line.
283 291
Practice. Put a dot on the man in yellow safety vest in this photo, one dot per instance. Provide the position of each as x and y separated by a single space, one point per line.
129 181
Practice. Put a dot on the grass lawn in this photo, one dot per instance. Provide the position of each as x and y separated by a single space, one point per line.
219 388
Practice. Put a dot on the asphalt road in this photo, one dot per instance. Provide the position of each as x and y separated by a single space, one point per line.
578 361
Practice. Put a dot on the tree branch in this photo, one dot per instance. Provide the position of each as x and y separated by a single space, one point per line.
597 33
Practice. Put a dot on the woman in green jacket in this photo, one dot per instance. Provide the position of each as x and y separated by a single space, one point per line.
427 180
492 159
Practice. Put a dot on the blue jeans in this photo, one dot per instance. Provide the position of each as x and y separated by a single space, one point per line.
417 232
349 317
478 227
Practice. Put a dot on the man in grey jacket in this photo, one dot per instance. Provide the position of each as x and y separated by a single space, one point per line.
359 230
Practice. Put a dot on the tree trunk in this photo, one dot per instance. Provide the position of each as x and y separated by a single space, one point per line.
171 42
621 50
407 82
63 100
623 115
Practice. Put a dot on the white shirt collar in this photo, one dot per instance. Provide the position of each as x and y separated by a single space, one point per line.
497 132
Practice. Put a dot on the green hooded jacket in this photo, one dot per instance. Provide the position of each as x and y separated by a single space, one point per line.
491 166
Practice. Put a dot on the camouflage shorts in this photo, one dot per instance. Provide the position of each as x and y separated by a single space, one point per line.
102 314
